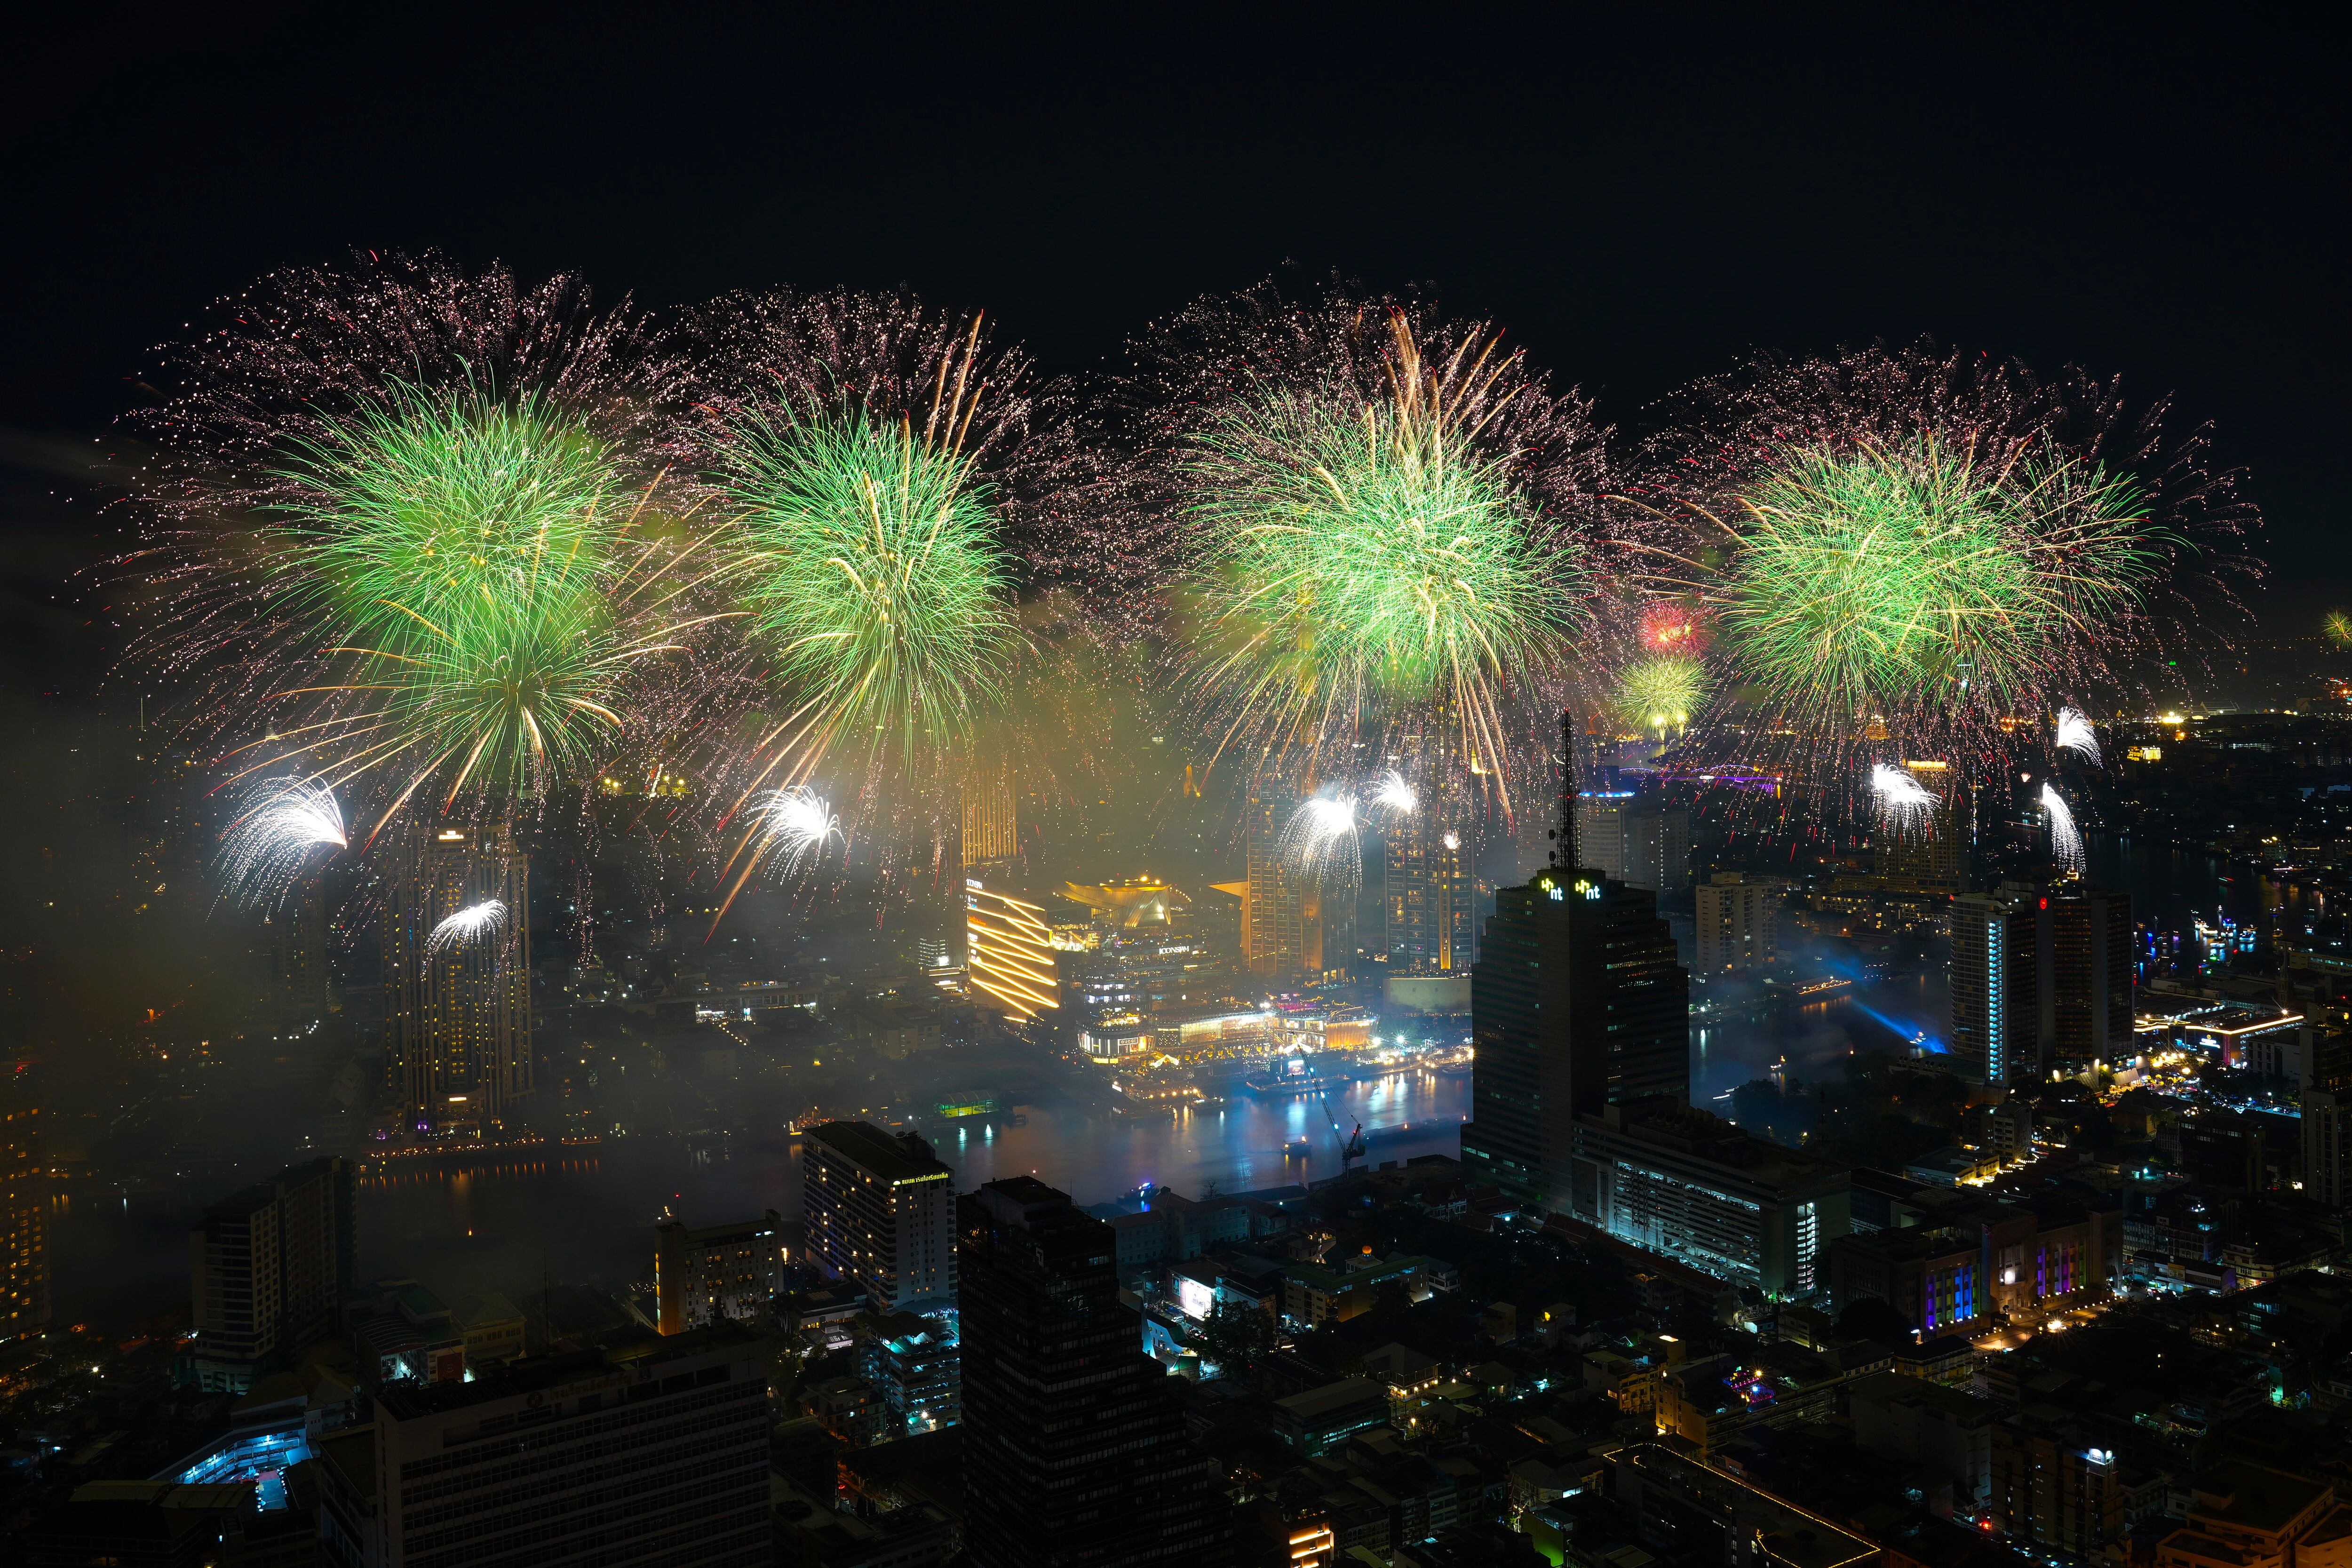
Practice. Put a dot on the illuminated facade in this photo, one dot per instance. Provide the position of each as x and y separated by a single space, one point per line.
991 829
705 1277
1739 922
1431 916
1275 937
880 1212
270 1267
457 1022
1994 1035
1011 951
24 1208
2041 981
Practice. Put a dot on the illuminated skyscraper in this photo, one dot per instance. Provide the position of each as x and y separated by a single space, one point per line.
1011 951
2041 981
1933 856
457 1022
1273 910
23 1207
991 830
1432 917
1739 922
879 1210
1995 986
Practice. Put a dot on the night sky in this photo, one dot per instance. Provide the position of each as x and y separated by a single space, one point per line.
1639 200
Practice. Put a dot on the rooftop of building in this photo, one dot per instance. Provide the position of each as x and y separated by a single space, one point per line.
2237 1495
1902 1388
1317 1402
1791 1535
407 1402
1666 1123
904 1158
249 1201
739 1230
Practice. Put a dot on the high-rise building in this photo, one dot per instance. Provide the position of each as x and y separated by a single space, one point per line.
1601 829
294 954
1274 904
1432 914
2326 1076
1995 1029
1074 1449
24 1206
1578 1001
457 1014
651 1451
1932 858
992 831
721 1271
1657 849
1010 951
1739 922
271 1267
880 1211
2041 981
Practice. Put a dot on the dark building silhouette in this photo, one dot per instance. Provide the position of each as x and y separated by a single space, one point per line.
1578 1001
270 1270
1075 1452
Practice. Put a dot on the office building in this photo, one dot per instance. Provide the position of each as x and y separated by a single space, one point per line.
1677 1181
2041 981
880 1212
721 1271
1427 897
294 954
1275 937
1739 922
1932 857
1657 849
270 1267
1074 1448
458 1015
1008 951
24 1206
655 1450
1578 1001
1601 829
2326 1080
992 833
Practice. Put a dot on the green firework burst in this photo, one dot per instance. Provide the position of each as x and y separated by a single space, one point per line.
1363 557
2338 628
1662 693
866 557
461 554
1908 577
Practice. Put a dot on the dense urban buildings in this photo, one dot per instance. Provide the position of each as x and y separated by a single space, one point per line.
270 1268
1075 1453
458 1046
24 1206
880 1212
710 1275
647 1451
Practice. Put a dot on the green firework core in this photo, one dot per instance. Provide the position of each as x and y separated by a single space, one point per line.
867 560
1662 693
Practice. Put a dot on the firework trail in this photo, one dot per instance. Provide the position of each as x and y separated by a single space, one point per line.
1904 803
1321 844
268 846
792 825
2066 840
2077 734
1395 794
476 923
2338 628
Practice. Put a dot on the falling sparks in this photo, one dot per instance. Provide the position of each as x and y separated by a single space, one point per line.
270 845
474 924
1904 803
1395 793
2066 839
1320 841
792 826
2076 735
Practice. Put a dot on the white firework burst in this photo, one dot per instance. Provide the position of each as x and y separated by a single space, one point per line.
2076 735
793 824
475 923
1320 841
1394 794
2066 839
1904 803
270 845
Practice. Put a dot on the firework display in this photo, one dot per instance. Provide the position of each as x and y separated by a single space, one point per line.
274 837
2337 627
1662 693
2066 839
2076 735
473 926
419 540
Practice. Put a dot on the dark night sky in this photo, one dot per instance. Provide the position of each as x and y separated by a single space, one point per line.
1638 199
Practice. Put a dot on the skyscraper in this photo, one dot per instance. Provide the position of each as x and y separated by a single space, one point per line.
2325 1072
270 1268
24 1206
457 1020
1578 1001
1074 1449
992 831
2042 981
1274 940
294 944
880 1211
1432 917
1657 849
1601 829
1739 922
1010 951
